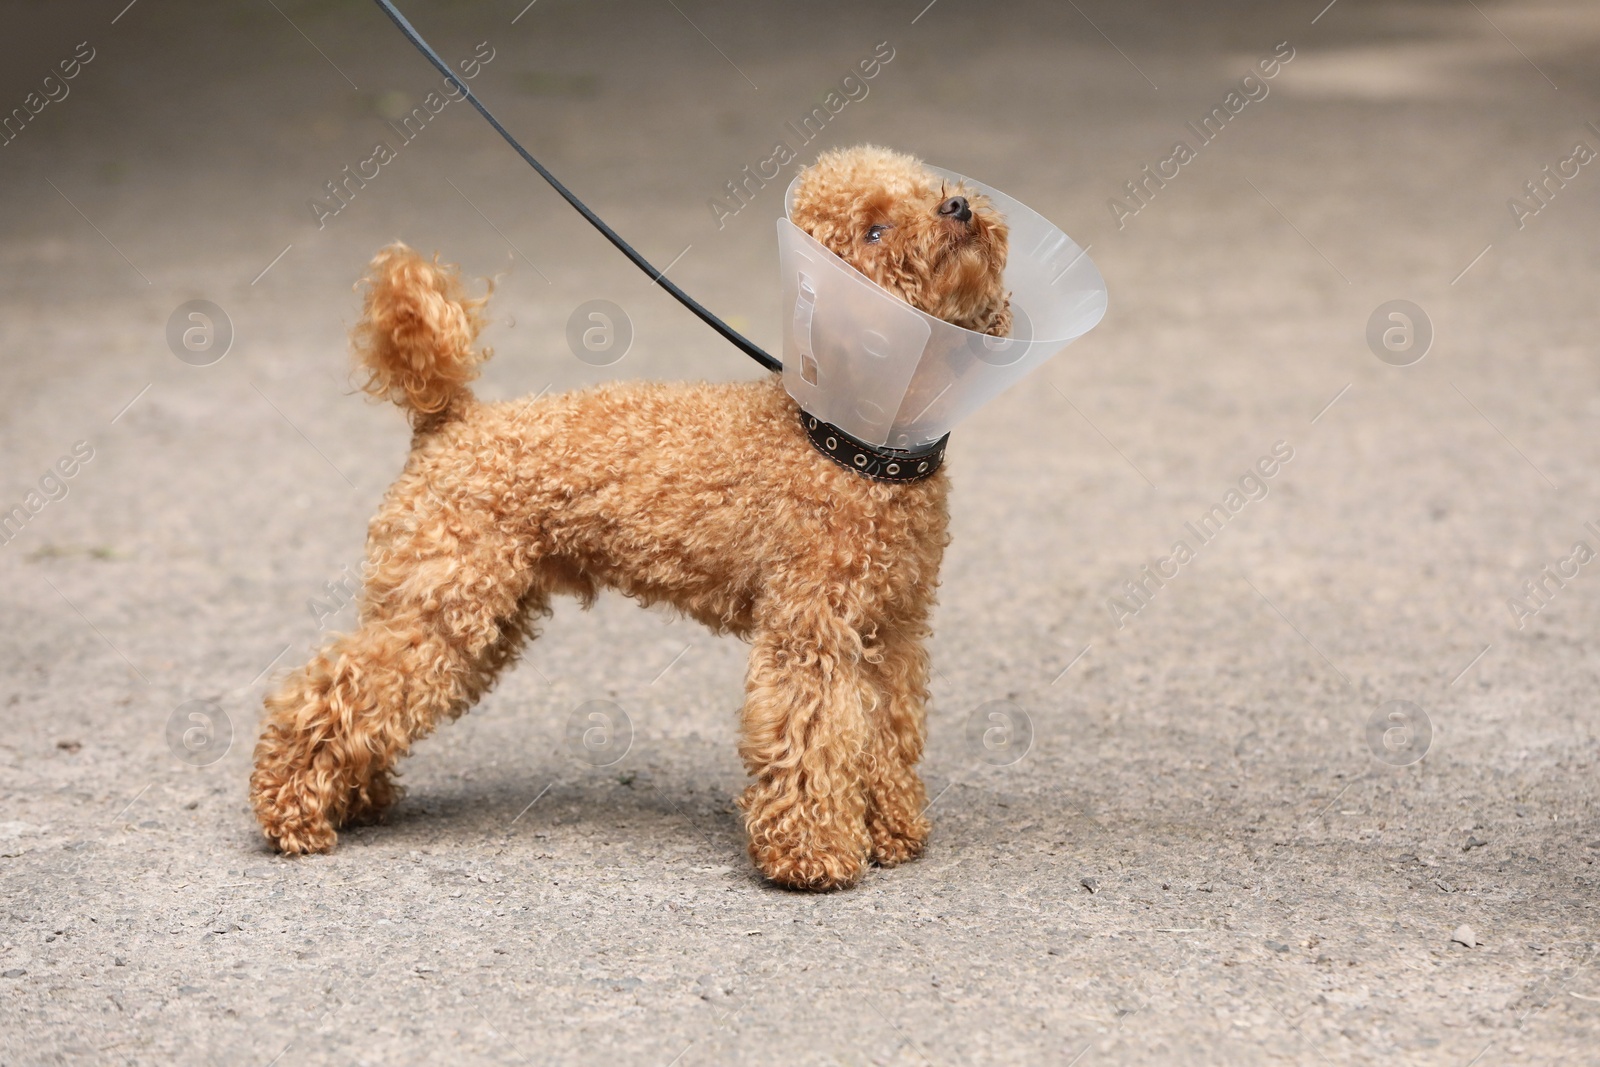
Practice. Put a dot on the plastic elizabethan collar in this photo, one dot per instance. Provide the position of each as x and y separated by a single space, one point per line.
859 357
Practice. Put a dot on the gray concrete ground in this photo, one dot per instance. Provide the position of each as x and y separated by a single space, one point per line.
1201 858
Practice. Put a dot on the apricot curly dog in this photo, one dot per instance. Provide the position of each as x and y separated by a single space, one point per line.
709 497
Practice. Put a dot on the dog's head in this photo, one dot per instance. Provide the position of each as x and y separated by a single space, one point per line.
939 247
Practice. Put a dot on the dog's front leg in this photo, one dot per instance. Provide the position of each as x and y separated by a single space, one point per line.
896 800
805 737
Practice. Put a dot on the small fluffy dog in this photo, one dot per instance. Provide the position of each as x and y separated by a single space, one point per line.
709 497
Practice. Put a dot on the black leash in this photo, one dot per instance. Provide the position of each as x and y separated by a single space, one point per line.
733 336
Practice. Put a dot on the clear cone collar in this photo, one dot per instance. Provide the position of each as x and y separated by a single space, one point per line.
859 357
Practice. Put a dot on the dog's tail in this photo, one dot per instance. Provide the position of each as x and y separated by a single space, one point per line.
415 339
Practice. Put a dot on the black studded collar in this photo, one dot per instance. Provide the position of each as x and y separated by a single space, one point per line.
873 461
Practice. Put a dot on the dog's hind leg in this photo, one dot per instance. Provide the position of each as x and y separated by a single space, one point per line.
442 613
805 734
896 799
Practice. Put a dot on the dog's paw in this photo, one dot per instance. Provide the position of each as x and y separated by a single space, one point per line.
295 837
814 870
371 803
293 821
893 845
804 843
897 820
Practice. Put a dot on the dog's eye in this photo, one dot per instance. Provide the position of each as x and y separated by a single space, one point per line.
874 233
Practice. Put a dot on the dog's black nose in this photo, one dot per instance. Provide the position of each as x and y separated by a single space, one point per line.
957 206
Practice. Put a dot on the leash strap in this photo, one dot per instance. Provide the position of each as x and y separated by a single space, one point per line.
733 336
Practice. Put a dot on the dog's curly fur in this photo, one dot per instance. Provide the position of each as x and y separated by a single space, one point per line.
951 268
706 497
